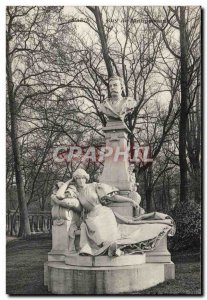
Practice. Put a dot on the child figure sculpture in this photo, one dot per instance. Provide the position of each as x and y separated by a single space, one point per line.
67 210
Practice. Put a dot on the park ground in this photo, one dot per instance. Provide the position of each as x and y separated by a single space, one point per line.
25 261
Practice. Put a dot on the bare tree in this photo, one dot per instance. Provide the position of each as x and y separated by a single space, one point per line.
30 78
187 25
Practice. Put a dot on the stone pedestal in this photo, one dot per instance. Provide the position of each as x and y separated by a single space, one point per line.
123 208
115 172
169 269
87 275
60 237
59 242
160 254
76 280
104 260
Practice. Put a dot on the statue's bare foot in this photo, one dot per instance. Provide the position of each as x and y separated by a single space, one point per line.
112 249
119 252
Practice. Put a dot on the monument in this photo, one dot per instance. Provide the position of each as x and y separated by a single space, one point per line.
116 135
103 242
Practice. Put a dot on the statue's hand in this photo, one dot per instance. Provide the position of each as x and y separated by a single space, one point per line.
54 199
135 204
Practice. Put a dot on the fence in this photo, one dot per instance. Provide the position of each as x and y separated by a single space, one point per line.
40 222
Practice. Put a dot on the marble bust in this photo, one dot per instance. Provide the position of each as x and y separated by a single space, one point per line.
117 107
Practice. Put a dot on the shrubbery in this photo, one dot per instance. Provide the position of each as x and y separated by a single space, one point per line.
187 217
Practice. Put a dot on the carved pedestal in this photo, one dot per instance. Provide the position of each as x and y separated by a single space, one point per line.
88 280
59 242
115 172
160 254
124 208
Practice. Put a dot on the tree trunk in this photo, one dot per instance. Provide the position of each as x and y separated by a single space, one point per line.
183 108
99 22
148 194
194 148
24 220
148 189
197 185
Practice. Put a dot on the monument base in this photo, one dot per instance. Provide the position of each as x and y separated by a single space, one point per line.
160 254
104 260
87 275
76 280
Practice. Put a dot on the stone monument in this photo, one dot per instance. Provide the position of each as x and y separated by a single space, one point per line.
116 166
103 242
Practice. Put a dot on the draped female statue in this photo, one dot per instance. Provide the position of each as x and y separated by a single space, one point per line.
106 232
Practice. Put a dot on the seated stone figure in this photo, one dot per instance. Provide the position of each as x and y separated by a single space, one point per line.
106 232
117 107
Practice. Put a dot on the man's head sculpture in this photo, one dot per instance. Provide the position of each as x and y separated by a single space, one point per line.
116 86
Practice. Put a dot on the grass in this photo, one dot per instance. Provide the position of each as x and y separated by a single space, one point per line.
187 278
24 264
25 261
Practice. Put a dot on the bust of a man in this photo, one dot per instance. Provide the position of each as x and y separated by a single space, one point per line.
117 107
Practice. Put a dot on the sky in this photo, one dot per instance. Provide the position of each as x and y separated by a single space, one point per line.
84 30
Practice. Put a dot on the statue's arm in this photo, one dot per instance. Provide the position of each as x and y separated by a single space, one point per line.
119 198
61 192
69 203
